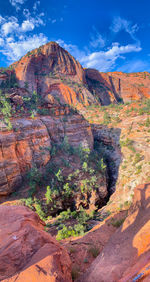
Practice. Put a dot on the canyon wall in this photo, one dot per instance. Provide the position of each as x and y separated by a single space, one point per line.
27 144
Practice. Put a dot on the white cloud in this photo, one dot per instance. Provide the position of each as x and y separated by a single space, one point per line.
106 60
27 26
1 41
17 3
14 50
102 60
26 13
10 39
97 40
9 27
120 24
17 38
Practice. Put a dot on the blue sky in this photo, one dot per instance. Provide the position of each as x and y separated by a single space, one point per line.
110 35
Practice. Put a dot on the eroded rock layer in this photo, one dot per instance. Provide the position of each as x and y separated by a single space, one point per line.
27 144
117 86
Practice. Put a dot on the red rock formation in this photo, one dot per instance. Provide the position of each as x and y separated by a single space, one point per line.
62 93
113 86
50 68
21 147
27 253
127 252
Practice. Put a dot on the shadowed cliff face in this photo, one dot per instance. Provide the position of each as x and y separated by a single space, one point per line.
114 87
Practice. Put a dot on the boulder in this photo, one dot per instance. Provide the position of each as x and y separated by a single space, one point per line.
27 252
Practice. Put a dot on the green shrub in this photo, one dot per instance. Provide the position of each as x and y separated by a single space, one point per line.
67 189
48 195
5 108
66 232
29 202
85 167
39 210
59 175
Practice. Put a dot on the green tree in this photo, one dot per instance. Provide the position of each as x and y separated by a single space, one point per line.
5 108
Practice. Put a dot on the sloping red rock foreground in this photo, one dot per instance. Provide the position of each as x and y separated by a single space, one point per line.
27 252
127 254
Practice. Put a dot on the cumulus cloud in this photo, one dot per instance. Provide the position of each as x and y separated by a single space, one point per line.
102 60
11 24
9 27
106 60
27 25
17 38
14 50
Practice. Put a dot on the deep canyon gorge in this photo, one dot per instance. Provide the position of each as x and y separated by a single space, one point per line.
74 171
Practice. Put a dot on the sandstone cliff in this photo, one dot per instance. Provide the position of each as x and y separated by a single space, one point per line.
20 148
58 78
114 87
52 70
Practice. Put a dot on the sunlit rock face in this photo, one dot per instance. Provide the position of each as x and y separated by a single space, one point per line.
52 70
126 255
27 251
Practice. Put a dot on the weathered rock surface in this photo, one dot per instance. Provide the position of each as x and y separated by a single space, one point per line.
128 250
26 144
51 70
27 252
113 86
125 142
